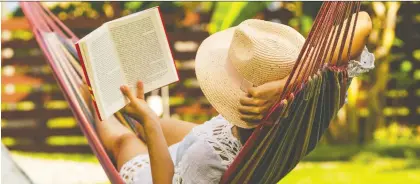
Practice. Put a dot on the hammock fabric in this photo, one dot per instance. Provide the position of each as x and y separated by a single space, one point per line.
301 115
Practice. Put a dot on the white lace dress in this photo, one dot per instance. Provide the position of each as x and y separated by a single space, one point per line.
206 152
201 157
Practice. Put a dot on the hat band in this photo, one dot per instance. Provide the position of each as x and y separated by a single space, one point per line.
237 78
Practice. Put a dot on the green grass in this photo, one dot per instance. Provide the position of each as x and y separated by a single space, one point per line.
353 164
329 165
59 156
381 171
346 152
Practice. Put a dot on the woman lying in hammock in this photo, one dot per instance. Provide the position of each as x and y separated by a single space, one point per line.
228 66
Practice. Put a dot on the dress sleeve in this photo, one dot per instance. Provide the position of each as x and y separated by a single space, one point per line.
363 64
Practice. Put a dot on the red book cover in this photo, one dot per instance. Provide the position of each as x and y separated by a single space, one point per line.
87 79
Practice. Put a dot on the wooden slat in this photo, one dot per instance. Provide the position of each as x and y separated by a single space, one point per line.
183 55
38 114
39 98
30 60
58 95
52 149
406 101
282 14
15 24
191 36
205 17
20 44
77 23
172 36
40 60
410 120
186 74
39 132
187 91
205 107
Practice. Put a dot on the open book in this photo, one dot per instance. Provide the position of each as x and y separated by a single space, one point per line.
123 51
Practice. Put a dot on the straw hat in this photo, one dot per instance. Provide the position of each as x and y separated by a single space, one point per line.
250 54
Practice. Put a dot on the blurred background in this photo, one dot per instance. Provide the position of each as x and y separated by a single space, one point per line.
375 137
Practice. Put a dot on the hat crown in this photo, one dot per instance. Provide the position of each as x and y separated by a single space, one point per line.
263 51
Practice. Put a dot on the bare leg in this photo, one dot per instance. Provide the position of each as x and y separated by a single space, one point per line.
115 137
174 130
123 144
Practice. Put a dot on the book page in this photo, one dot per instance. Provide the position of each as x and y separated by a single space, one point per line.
105 72
144 52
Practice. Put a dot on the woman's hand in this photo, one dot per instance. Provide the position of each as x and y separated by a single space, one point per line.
161 162
138 108
255 105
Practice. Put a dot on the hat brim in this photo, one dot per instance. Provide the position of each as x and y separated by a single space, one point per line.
220 90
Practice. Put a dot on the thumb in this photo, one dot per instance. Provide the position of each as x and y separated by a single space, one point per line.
126 91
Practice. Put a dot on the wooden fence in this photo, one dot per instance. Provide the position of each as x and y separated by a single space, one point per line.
35 115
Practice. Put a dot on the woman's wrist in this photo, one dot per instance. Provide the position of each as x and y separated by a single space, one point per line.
151 123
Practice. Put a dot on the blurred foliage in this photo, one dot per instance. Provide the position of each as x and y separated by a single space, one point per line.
396 133
224 15
132 6
227 14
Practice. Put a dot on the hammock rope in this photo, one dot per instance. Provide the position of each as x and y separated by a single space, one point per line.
312 95
43 21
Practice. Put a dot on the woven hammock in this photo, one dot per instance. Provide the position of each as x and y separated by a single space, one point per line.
313 94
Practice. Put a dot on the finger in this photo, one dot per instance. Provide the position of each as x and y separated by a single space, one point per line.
140 90
247 101
250 110
126 91
251 118
253 92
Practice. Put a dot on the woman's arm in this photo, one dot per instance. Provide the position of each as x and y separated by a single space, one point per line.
160 160
361 34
